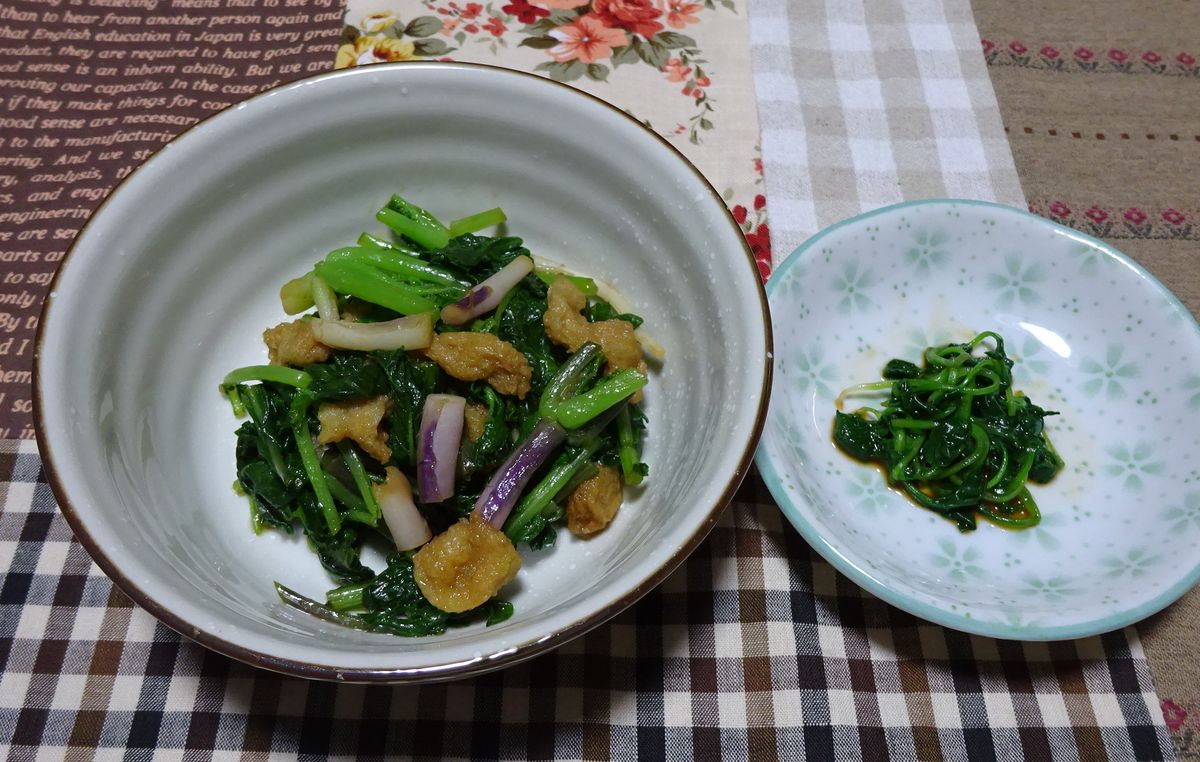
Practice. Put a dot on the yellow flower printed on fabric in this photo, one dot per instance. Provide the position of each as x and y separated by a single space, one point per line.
373 23
373 48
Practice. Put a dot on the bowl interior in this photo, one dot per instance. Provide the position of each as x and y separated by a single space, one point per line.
174 280
1093 336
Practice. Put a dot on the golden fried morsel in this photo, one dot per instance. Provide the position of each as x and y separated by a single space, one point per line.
358 421
470 356
593 504
568 328
564 325
294 344
465 566
475 417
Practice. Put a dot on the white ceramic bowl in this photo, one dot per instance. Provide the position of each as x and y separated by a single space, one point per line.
172 281
1094 337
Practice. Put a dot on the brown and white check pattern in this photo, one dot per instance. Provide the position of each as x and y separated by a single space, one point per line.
754 649
865 103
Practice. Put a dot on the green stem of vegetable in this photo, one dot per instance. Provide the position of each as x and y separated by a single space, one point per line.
398 262
897 473
1017 483
373 285
325 299
627 447
375 242
296 295
255 524
911 423
235 400
477 222
313 608
342 494
256 405
610 391
999 475
991 388
498 315
275 373
986 335
567 380
941 506
346 598
874 386
946 357
586 285
358 472
1024 502
536 500
420 232
298 415
581 446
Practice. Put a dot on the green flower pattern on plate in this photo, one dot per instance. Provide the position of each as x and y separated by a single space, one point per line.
809 371
1015 285
916 342
1090 259
1133 464
789 435
1107 376
1054 589
927 251
958 565
1186 516
1031 359
1044 533
867 490
1191 387
1135 563
854 284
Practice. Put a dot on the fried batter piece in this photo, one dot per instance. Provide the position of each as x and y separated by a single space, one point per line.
568 328
470 356
475 417
594 503
465 566
358 420
294 344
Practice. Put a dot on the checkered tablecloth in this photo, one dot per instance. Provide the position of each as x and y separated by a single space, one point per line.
866 103
754 649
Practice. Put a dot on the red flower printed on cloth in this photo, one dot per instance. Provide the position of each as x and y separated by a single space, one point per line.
586 39
525 13
636 16
1173 714
680 14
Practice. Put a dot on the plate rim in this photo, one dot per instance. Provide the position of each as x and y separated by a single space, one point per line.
869 582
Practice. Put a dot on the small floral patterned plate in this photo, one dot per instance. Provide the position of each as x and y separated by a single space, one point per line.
1094 336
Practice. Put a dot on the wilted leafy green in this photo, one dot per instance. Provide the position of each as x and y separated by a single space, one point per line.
955 435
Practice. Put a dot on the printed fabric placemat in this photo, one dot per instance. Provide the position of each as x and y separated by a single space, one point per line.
680 67
865 104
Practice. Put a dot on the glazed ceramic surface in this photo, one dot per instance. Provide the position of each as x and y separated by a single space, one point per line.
1094 337
174 279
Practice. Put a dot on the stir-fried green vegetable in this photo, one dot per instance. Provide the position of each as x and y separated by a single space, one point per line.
573 420
955 436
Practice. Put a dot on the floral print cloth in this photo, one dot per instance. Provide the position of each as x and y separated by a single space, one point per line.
682 68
